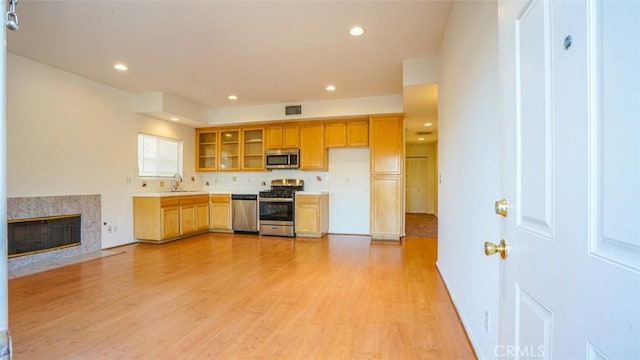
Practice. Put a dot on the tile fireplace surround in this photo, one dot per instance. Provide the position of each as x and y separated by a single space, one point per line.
88 206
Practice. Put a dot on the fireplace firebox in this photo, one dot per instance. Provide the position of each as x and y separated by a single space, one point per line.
28 236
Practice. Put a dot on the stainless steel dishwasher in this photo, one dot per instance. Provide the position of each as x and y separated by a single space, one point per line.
245 213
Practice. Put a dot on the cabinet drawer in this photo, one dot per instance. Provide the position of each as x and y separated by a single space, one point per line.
220 198
308 199
169 201
194 199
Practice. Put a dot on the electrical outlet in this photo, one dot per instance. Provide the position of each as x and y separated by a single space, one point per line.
486 320
161 183
109 229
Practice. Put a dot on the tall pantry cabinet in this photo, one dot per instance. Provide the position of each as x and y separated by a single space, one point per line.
386 138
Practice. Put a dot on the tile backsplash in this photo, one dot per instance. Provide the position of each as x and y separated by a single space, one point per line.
236 181
253 182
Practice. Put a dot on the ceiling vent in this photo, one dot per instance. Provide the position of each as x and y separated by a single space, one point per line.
293 110
423 133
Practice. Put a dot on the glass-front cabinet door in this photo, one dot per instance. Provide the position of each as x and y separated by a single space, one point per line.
253 149
229 150
206 150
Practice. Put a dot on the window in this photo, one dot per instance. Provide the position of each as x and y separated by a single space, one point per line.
159 156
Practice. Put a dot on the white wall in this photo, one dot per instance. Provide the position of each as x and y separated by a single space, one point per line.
349 194
420 71
469 161
191 179
67 135
310 110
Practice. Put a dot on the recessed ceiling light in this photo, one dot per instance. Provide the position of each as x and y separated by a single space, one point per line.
173 118
232 97
420 139
428 124
330 88
356 31
120 67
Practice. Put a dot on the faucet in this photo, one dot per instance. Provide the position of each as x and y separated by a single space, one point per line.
177 182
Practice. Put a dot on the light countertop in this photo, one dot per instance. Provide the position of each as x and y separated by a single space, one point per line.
312 192
171 193
190 192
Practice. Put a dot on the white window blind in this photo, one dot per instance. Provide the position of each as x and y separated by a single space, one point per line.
159 156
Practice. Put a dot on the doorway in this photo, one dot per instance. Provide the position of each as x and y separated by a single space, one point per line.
421 164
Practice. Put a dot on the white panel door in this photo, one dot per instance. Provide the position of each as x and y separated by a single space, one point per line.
416 185
570 84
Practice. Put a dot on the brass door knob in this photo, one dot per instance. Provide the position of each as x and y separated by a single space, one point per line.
491 248
501 207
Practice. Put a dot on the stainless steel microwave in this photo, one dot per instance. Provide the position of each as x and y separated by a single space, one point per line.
282 159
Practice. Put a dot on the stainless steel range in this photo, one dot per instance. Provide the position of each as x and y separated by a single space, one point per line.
277 207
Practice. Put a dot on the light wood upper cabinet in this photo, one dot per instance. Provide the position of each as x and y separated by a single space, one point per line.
206 150
358 133
290 136
229 149
243 147
252 149
220 220
335 133
347 133
282 136
386 143
313 154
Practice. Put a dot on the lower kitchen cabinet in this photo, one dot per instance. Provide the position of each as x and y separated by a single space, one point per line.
170 218
387 216
221 213
202 216
194 214
161 219
312 215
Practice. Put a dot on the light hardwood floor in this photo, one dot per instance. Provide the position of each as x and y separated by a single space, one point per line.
242 296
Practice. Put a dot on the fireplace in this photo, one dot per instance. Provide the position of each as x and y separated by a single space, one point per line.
33 235
88 207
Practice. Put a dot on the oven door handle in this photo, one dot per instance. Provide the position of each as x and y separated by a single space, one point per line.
275 200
